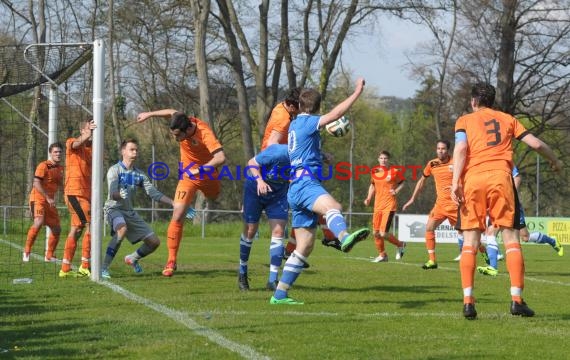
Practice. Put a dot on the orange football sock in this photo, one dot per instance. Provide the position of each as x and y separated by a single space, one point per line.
467 268
68 253
379 242
52 245
174 235
430 244
393 240
31 239
86 250
515 266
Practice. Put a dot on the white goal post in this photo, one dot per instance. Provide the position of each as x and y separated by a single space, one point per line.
97 221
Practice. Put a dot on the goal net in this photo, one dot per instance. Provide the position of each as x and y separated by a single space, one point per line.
46 91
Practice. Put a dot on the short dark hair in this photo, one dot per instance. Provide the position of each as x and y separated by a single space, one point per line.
484 94
179 121
384 152
292 97
55 145
446 142
128 140
309 101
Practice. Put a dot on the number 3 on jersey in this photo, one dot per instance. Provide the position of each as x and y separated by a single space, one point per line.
493 128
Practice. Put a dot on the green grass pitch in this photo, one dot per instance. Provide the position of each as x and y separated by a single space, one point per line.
354 309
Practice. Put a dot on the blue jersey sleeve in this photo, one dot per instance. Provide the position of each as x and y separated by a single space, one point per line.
460 136
274 155
515 171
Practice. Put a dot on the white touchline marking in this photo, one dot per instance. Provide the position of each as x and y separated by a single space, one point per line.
178 316
183 318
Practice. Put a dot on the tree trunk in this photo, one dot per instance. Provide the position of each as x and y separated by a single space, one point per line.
114 119
330 57
263 101
227 20
39 35
506 67
201 12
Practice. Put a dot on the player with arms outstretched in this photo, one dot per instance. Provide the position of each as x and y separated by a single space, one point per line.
200 154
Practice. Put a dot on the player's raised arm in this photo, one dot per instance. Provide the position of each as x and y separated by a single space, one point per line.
86 134
343 107
164 113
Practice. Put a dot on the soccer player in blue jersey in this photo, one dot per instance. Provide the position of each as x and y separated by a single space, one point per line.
307 197
265 189
535 237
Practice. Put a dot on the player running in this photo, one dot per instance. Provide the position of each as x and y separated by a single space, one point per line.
384 186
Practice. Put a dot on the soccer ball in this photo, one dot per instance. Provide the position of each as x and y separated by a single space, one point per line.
338 127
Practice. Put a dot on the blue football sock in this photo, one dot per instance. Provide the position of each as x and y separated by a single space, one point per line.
291 271
460 242
541 238
275 257
244 250
492 251
335 222
112 249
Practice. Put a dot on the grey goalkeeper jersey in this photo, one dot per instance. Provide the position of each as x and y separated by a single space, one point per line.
119 177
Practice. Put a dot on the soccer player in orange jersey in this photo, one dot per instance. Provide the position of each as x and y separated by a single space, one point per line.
482 181
280 119
47 179
200 154
385 184
442 170
78 154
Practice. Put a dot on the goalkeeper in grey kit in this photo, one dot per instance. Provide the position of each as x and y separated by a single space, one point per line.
123 179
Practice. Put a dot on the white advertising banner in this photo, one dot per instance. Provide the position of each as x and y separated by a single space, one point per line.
413 228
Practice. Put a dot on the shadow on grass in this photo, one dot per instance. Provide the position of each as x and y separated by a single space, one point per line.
26 329
547 274
414 289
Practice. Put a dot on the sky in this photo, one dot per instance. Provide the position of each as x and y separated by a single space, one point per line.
380 56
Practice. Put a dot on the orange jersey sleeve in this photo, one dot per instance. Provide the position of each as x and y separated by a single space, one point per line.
279 121
78 169
489 138
384 182
442 173
199 148
50 176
